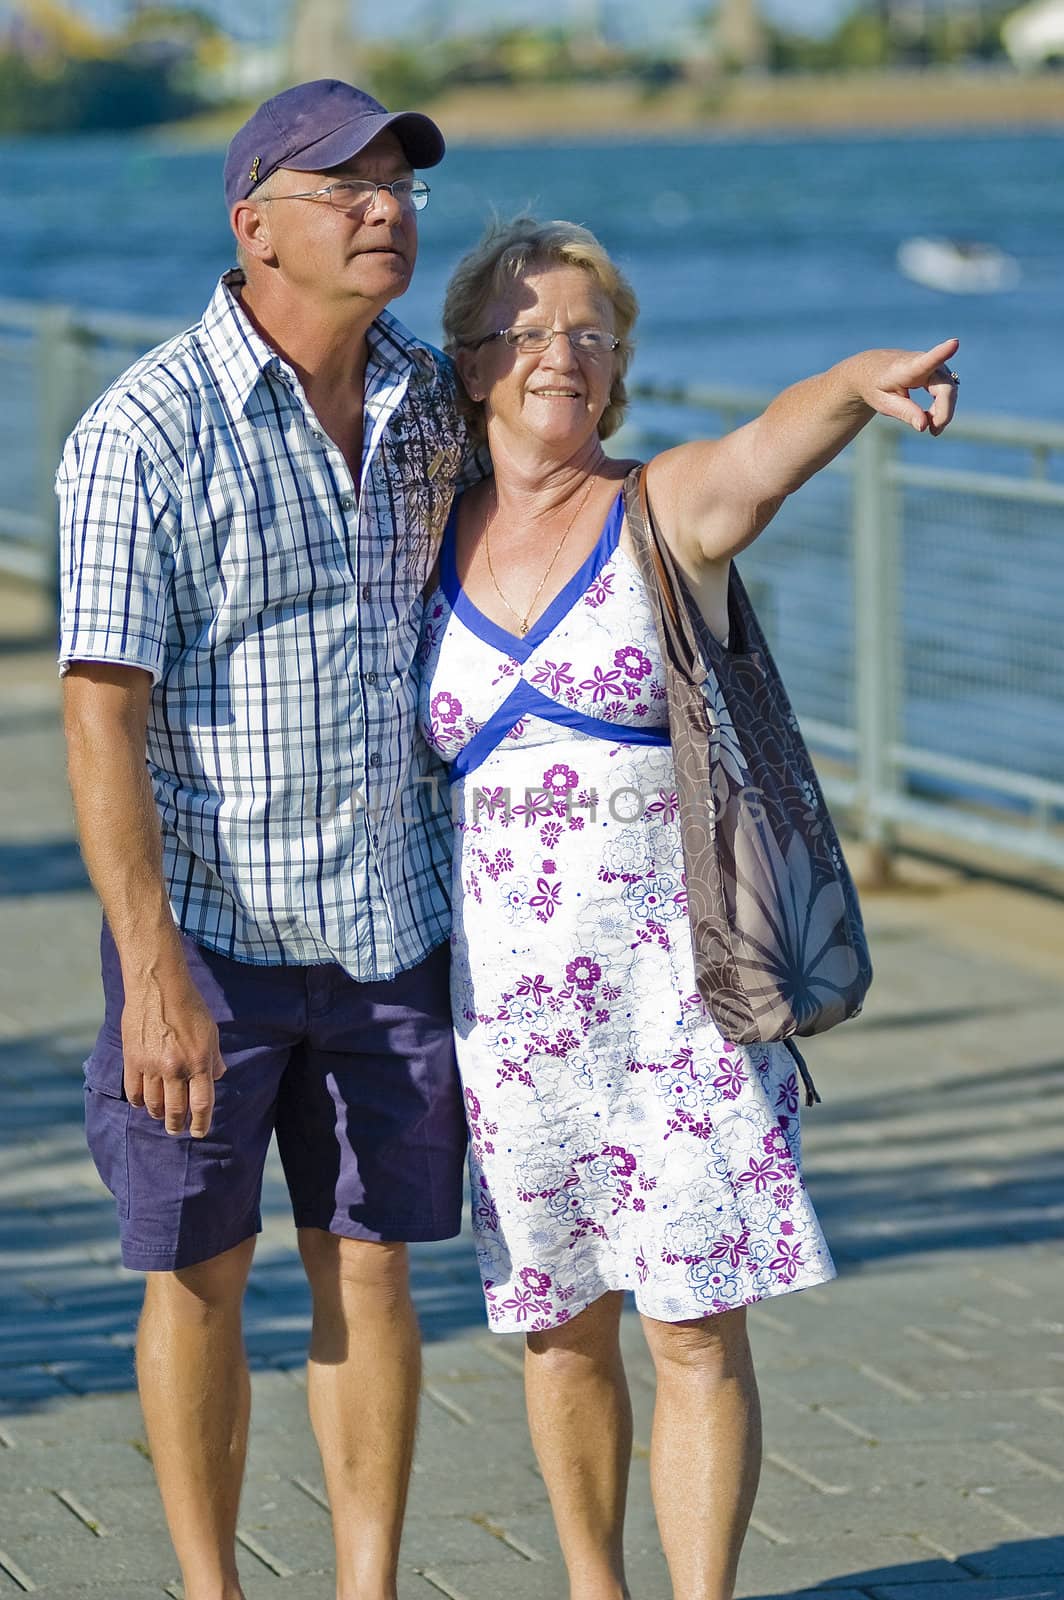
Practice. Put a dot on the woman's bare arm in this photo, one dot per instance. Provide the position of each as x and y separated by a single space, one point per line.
712 498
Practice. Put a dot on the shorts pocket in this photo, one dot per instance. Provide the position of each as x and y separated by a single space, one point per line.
107 1114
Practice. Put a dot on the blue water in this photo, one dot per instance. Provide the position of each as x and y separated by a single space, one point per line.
755 260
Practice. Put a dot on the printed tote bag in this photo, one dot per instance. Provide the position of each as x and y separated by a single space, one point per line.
778 941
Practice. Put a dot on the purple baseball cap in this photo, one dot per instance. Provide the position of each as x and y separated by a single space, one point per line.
316 126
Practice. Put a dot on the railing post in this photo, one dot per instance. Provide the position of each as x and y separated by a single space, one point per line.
64 389
877 640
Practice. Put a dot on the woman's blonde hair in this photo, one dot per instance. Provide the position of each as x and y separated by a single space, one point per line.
504 254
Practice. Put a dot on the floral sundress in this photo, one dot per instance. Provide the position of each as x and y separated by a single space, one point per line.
618 1141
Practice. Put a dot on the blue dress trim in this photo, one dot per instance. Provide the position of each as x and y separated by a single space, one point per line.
512 644
524 700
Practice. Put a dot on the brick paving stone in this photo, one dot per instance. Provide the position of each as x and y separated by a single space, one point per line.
490 1485
1039 1502
979 1418
438 1541
497 1578
263 1585
98 1417
150 1589
81 1465
103 1562
830 1561
905 1465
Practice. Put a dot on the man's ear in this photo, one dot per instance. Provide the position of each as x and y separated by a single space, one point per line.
251 225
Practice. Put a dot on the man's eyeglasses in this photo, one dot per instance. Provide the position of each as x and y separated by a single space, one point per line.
359 194
533 341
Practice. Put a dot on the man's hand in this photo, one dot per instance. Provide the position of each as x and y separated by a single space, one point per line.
883 379
172 1060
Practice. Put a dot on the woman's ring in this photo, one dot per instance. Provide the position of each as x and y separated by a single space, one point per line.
953 378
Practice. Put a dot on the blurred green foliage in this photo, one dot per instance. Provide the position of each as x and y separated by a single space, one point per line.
95 93
156 69
882 35
874 34
408 71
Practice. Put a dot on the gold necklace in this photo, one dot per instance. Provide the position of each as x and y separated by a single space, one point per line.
523 621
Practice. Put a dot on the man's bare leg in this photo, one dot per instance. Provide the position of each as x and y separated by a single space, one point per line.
363 1378
196 1398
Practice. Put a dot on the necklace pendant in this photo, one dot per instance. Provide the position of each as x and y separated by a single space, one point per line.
524 628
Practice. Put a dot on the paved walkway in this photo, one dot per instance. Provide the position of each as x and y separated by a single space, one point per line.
914 1409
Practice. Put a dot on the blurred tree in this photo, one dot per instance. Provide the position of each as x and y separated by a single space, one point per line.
94 94
401 75
863 39
321 40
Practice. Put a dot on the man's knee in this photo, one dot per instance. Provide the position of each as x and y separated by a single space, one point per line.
207 1290
352 1268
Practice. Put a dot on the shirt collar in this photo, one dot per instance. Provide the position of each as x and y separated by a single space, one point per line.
391 345
241 355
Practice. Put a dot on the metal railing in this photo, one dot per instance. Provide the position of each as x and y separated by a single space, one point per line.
913 591
54 361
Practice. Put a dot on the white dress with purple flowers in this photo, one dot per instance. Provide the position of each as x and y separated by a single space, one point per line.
618 1141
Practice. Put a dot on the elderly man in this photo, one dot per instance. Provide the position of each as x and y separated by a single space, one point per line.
249 515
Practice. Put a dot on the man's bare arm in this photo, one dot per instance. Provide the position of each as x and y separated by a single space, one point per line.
169 1040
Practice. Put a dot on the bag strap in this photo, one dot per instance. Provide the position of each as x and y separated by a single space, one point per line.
812 1096
653 543
676 632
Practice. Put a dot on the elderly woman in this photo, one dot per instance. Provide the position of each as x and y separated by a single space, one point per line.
619 1142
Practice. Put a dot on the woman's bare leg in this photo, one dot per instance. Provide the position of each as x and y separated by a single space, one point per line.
580 1418
705 1453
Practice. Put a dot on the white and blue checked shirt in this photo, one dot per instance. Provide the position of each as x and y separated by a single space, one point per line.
213 535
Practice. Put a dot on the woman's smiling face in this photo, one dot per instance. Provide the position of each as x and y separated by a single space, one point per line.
558 394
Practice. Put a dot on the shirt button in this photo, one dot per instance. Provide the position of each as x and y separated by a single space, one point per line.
366 591
347 504
371 677
375 759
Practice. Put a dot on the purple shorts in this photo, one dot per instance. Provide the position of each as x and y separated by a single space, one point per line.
357 1080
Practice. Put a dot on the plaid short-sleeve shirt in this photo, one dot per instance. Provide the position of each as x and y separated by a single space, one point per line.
212 534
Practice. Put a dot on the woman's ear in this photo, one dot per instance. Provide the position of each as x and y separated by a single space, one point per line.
467 362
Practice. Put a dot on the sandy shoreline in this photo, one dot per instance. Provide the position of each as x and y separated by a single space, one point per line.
891 103
888 104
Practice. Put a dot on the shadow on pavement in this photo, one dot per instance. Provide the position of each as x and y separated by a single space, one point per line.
1027 1569
941 1167
892 1176
45 866
68 1308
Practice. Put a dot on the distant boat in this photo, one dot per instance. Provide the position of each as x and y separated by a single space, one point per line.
957 266
1034 35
